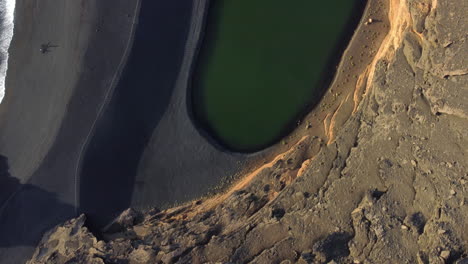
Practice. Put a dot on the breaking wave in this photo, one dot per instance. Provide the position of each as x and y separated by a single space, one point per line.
7 16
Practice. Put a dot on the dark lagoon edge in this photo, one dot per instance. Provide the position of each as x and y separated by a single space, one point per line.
206 43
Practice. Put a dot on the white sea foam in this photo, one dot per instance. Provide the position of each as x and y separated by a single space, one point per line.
7 17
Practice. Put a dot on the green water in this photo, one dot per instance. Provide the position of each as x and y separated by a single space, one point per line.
262 63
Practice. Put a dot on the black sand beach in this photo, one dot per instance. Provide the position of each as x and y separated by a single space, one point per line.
144 145
72 135
51 101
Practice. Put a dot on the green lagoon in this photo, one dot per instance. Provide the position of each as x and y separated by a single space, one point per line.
262 63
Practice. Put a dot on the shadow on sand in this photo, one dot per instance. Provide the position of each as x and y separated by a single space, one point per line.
26 212
140 99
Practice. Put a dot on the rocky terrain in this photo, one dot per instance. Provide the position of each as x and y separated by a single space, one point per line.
390 185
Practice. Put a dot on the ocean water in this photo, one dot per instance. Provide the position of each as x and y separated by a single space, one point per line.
7 16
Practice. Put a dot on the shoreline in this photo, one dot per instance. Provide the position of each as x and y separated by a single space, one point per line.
8 27
328 74
190 155
334 108
337 102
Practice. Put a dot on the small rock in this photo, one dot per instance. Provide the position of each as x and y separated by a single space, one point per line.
299 195
447 44
101 245
142 255
441 231
123 221
96 252
404 227
453 192
94 260
141 231
278 213
369 21
413 162
384 209
445 254
307 256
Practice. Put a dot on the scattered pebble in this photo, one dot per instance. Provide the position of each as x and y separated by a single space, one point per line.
404 227
369 21
413 162
447 44
445 254
441 231
384 209
453 192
